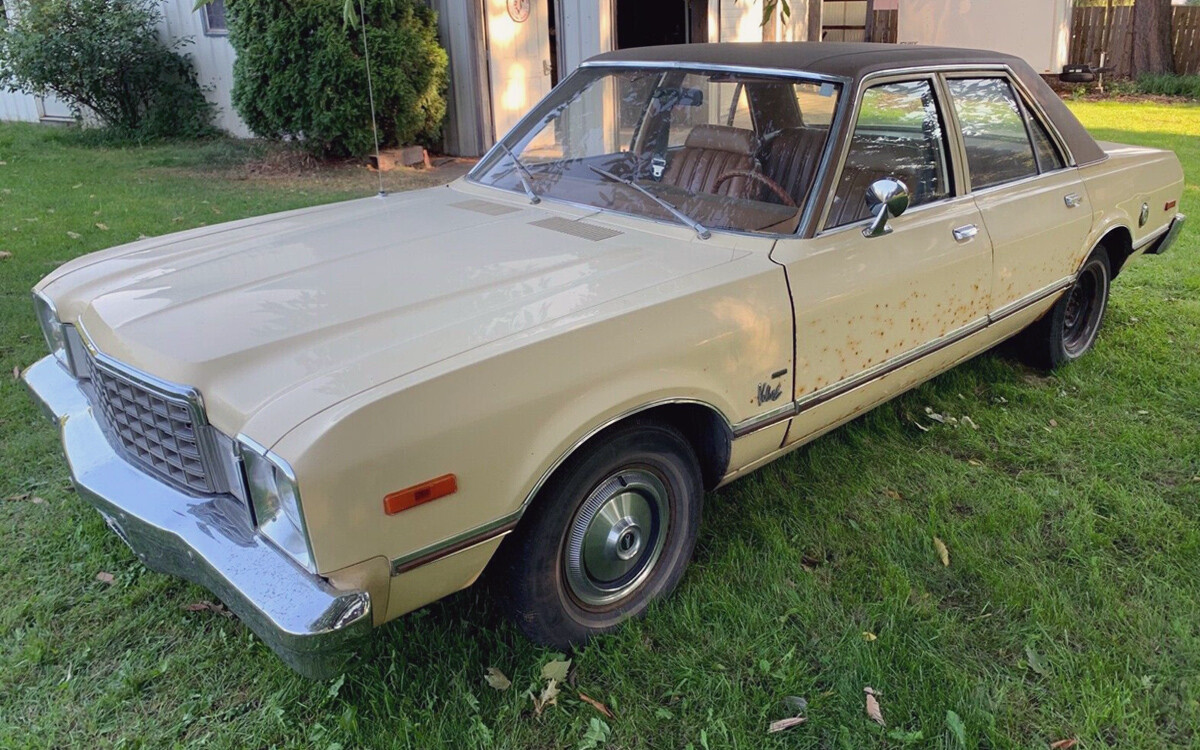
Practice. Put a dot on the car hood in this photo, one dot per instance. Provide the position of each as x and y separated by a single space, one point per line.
337 298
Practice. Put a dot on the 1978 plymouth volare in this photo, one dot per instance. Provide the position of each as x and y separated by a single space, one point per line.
682 264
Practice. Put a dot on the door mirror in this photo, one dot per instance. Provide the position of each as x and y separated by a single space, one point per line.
887 198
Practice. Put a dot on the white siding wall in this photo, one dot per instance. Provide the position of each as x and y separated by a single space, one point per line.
18 107
1037 30
212 57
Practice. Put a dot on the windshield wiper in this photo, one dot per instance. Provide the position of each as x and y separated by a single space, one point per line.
696 226
524 174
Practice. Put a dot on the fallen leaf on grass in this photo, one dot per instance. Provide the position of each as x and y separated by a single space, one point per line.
74 235
556 670
596 705
215 607
5 255
868 636
974 462
893 494
873 707
943 553
101 226
957 728
16 373
17 498
36 500
970 422
782 724
1036 661
496 679
1064 744
1054 423
103 577
549 697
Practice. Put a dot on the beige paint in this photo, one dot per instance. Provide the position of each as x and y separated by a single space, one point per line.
379 343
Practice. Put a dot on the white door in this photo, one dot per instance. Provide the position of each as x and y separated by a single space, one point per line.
518 58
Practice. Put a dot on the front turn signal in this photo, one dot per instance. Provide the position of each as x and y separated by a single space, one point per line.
420 494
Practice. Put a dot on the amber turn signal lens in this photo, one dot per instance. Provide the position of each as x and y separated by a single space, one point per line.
420 493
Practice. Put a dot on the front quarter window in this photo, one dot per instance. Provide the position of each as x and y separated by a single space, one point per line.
644 141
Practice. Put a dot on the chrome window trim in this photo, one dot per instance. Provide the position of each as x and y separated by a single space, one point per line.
940 72
812 199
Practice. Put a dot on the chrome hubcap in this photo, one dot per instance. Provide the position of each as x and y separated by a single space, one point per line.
616 537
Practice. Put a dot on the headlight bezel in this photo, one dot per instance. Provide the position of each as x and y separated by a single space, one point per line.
274 496
54 332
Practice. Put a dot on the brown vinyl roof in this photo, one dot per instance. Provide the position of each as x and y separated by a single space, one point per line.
853 61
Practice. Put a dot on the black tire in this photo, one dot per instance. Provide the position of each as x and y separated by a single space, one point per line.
541 575
1069 329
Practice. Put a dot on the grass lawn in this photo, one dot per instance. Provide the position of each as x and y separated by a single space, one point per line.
1070 607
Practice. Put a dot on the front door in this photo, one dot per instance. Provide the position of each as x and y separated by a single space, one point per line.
868 306
519 58
1037 210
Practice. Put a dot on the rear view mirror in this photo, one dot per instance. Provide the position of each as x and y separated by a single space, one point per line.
680 97
887 198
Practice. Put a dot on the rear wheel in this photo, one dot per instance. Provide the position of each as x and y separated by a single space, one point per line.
1069 329
612 531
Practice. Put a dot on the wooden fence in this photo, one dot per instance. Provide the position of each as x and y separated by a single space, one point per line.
884 26
1087 29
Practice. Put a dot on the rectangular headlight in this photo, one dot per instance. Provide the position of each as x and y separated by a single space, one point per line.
52 328
276 501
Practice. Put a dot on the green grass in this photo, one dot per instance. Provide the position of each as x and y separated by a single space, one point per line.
1070 607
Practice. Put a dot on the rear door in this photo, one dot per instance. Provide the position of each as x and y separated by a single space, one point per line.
1034 205
866 307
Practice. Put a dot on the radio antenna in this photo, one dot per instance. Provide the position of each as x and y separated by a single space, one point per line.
362 15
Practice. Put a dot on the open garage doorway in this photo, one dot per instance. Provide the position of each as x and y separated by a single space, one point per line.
642 23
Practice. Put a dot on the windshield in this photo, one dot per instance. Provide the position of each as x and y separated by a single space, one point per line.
710 150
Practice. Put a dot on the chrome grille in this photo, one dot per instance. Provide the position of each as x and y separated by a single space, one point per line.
155 429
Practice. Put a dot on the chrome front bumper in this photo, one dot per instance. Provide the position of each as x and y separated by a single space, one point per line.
312 626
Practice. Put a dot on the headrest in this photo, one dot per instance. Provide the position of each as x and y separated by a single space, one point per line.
722 138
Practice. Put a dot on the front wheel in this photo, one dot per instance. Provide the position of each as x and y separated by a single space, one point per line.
612 531
1069 329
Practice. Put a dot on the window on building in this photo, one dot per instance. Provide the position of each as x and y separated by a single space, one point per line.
997 143
214 18
898 134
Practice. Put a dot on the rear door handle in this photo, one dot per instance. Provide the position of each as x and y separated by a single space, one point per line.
965 233
1073 200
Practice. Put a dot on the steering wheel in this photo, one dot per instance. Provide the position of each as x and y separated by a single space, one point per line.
760 178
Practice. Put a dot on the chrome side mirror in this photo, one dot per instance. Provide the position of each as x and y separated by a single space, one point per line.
887 198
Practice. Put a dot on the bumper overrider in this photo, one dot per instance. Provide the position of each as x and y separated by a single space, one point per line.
312 626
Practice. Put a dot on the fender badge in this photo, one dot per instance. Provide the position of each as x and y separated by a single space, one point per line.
768 393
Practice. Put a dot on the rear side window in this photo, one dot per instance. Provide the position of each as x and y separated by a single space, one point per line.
1047 155
898 134
997 143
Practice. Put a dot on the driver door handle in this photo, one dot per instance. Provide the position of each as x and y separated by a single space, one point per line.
965 233
1073 200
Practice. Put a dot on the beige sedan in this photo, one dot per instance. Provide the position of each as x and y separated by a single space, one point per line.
684 263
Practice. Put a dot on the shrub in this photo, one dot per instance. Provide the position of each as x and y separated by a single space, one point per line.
300 72
105 57
1169 84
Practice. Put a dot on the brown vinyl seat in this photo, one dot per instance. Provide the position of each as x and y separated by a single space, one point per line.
709 152
792 157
